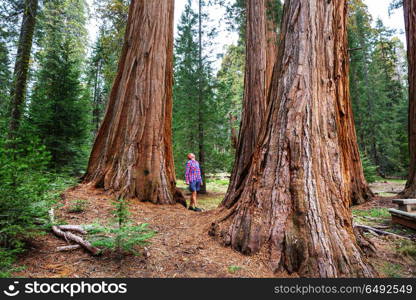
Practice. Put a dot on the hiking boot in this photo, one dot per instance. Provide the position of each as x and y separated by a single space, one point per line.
191 208
197 209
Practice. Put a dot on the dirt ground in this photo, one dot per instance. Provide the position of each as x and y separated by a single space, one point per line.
181 247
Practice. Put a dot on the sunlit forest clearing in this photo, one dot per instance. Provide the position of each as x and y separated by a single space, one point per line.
304 132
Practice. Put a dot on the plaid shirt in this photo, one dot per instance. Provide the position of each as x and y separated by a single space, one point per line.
193 172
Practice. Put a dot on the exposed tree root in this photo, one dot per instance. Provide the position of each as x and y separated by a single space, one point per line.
179 197
365 243
409 192
379 232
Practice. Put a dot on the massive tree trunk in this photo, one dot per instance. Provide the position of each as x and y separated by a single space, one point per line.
132 154
294 202
409 8
261 53
21 67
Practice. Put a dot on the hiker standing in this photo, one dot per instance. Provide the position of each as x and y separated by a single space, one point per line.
193 179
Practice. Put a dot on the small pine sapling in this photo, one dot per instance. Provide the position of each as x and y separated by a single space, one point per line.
123 237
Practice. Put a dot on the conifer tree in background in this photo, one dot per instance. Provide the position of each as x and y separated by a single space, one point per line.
230 88
378 93
5 79
24 173
97 84
201 101
387 103
21 67
102 65
59 109
409 9
185 104
359 43
200 120
113 17
10 15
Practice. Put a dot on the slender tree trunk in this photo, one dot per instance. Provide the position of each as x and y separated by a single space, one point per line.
261 52
233 133
97 102
409 8
294 202
201 134
21 66
132 154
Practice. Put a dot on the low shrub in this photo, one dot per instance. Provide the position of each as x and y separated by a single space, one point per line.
121 236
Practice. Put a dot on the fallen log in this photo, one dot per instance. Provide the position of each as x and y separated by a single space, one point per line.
68 248
69 236
76 228
380 232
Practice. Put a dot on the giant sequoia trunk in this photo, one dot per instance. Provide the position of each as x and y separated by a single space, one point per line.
409 8
132 154
21 67
294 201
261 53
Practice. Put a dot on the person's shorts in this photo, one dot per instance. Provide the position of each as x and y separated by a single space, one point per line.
195 186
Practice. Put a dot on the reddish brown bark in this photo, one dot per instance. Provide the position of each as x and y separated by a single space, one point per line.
132 154
409 8
294 201
271 42
261 51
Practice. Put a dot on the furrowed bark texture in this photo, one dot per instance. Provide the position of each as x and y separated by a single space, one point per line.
132 154
295 203
409 8
21 68
261 53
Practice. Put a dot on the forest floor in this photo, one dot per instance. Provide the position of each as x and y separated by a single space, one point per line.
182 247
